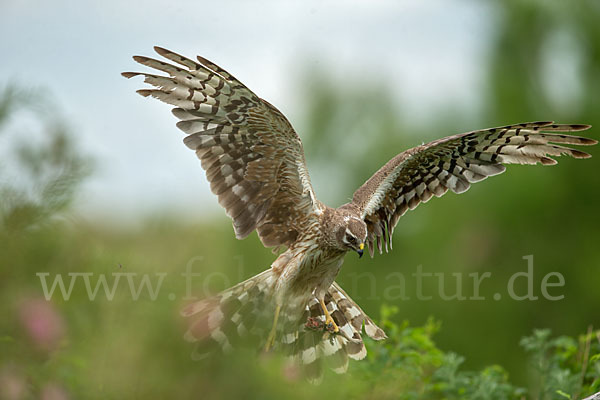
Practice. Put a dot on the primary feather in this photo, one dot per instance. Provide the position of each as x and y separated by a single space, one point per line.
453 163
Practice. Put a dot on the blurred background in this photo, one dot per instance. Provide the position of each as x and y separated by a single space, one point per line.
95 180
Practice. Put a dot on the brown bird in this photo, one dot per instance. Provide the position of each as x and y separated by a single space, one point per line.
255 164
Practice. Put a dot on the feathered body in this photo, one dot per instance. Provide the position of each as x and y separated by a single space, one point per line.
255 164
298 278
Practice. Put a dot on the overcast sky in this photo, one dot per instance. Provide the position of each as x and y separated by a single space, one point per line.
75 50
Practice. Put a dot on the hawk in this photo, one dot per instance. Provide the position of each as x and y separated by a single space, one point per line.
255 164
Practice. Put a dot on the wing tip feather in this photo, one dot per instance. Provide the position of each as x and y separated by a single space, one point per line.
145 92
129 75
580 154
141 59
580 127
203 61
162 51
548 161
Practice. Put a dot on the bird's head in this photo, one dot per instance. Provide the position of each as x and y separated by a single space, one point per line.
352 234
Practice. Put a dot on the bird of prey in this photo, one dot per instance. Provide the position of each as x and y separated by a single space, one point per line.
255 164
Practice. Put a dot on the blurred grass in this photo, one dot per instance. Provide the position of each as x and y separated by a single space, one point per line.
134 349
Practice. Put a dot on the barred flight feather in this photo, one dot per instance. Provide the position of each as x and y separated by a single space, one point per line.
453 163
253 158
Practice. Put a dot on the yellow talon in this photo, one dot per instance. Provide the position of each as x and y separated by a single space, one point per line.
271 337
328 319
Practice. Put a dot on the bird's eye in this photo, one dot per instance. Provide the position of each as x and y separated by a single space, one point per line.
351 239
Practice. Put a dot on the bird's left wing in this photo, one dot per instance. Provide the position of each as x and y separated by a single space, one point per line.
455 162
253 158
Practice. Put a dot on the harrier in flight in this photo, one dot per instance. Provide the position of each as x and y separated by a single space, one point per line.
255 164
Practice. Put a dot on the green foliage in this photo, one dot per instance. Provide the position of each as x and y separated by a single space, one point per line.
410 364
405 362
120 348
48 165
564 366
410 358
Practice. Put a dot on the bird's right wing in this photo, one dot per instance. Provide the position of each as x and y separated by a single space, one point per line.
253 158
455 162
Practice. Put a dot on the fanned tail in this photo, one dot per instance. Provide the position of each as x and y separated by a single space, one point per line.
313 346
242 316
237 317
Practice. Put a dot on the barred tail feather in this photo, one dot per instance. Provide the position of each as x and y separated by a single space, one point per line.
315 347
242 316
239 316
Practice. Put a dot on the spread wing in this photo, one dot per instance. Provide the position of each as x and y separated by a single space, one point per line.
252 156
455 162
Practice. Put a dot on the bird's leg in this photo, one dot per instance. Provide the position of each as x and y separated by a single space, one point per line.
271 338
328 319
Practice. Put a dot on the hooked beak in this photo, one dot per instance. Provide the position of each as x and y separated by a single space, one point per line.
360 250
